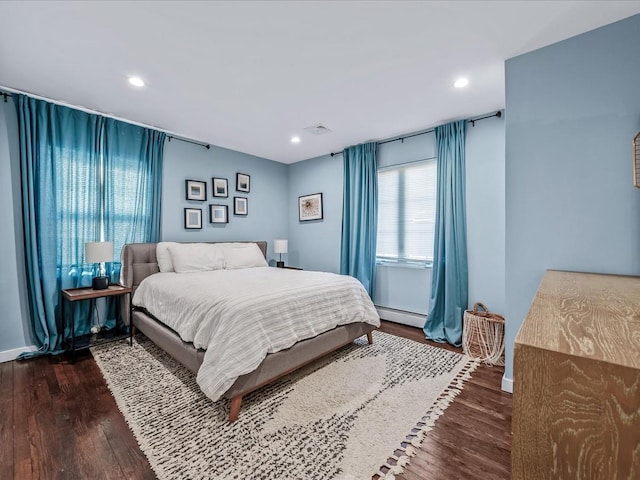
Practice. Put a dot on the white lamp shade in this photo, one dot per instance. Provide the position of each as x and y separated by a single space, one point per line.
280 246
97 252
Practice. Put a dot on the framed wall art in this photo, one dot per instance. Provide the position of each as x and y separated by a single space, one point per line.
220 187
243 182
310 207
218 214
193 218
196 190
240 206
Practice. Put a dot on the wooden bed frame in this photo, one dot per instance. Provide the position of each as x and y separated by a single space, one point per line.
139 261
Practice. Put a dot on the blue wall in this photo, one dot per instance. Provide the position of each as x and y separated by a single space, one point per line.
267 197
316 245
14 333
485 164
573 109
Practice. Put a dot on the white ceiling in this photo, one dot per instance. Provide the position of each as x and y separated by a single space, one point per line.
249 75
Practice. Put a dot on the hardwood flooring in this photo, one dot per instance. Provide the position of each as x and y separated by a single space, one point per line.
59 421
472 440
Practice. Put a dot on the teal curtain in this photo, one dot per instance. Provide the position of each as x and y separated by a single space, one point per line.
60 167
449 281
132 185
360 214
84 178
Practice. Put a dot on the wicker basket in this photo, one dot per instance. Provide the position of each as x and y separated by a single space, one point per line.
483 335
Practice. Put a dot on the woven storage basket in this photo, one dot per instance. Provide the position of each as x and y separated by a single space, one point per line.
483 335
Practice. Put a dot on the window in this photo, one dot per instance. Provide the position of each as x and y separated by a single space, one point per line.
102 193
406 212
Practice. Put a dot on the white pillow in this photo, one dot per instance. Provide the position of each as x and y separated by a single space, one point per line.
243 255
163 256
196 257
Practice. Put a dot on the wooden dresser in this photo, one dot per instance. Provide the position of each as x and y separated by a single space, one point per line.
576 395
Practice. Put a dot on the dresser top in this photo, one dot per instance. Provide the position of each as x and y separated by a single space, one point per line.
587 315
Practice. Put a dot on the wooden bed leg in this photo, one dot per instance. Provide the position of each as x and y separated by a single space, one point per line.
370 338
234 410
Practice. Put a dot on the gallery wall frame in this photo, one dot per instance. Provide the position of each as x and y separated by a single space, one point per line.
220 187
241 206
218 213
193 218
196 190
243 182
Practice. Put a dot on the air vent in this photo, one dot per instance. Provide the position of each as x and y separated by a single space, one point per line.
317 129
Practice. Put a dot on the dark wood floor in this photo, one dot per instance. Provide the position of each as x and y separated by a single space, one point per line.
472 440
59 421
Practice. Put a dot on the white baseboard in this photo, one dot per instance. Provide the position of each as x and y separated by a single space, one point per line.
507 384
400 316
9 355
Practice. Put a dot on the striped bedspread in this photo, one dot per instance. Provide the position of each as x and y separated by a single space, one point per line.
239 316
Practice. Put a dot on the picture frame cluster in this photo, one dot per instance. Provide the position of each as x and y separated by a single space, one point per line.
196 191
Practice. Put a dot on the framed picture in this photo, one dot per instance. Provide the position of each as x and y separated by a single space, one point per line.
310 207
240 206
218 214
193 218
196 190
220 187
243 182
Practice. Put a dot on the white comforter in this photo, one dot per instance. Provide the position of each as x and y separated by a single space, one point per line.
239 316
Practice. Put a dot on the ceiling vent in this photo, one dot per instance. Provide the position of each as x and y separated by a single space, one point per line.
317 129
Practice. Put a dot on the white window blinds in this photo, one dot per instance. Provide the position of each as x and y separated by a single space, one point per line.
406 212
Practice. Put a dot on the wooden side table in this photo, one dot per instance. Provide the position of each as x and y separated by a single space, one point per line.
73 295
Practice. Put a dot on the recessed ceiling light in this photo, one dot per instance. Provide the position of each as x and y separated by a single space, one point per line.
295 139
136 81
461 82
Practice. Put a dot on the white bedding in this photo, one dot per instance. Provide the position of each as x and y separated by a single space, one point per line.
239 316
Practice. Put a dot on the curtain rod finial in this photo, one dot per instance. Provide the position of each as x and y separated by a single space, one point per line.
499 114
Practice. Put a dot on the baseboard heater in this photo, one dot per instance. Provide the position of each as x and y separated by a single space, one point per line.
401 316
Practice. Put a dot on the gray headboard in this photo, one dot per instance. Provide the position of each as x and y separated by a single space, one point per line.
139 261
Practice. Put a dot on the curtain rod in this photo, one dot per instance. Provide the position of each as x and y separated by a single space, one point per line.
205 145
473 121
6 92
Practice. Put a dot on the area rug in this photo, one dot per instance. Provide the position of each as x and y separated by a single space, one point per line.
359 412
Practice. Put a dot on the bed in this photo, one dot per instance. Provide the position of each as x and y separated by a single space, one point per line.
140 262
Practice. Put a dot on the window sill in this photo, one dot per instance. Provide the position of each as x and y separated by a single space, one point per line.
421 266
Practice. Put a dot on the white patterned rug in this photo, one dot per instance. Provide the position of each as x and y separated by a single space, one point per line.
349 416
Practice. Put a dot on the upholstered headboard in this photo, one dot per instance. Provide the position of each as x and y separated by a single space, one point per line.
139 261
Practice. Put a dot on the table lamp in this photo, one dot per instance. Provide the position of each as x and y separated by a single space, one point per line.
99 252
280 246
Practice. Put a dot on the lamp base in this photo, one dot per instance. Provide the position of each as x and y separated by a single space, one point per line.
100 283
280 264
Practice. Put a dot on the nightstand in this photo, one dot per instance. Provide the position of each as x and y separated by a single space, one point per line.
73 295
287 267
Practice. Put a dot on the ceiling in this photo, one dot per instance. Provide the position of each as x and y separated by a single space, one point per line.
249 75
